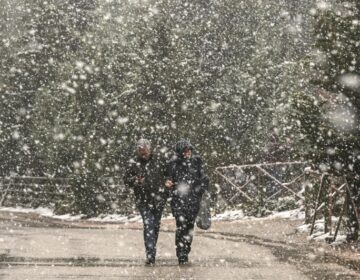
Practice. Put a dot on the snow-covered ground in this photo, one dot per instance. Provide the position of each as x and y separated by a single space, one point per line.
47 212
226 216
239 215
232 215
318 233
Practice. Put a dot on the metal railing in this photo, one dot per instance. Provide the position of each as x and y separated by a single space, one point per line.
268 180
321 194
48 191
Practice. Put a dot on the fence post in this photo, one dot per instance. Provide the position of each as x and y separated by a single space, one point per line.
317 202
340 219
5 194
328 209
307 199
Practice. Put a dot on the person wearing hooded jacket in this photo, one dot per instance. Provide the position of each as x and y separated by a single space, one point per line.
186 183
145 174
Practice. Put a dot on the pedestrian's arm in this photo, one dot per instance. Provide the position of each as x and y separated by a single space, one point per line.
130 176
168 174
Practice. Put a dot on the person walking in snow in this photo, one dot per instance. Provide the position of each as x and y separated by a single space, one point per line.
145 175
186 183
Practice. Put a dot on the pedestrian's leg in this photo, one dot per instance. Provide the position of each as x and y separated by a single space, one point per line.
157 223
149 234
183 238
188 238
179 235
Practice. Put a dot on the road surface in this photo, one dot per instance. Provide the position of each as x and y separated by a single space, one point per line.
32 248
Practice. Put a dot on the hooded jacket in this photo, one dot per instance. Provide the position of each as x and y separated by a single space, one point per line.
189 178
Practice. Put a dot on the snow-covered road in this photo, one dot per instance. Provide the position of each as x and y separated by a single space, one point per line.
42 248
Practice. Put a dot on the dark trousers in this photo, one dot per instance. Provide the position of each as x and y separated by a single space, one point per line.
151 220
184 235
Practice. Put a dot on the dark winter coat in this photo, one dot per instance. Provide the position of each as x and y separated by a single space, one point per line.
150 194
190 181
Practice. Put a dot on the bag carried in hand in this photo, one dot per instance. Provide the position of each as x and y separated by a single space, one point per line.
203 219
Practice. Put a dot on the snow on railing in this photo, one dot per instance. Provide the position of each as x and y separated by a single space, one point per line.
227 172
319 192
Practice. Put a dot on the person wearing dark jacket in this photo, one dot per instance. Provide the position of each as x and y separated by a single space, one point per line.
186 183
145 175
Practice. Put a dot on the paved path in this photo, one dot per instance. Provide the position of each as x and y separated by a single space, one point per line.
34 248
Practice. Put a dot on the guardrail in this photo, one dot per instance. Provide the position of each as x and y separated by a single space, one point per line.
267 180
49 192
321 194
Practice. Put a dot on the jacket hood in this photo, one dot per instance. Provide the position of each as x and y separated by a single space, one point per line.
181 145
